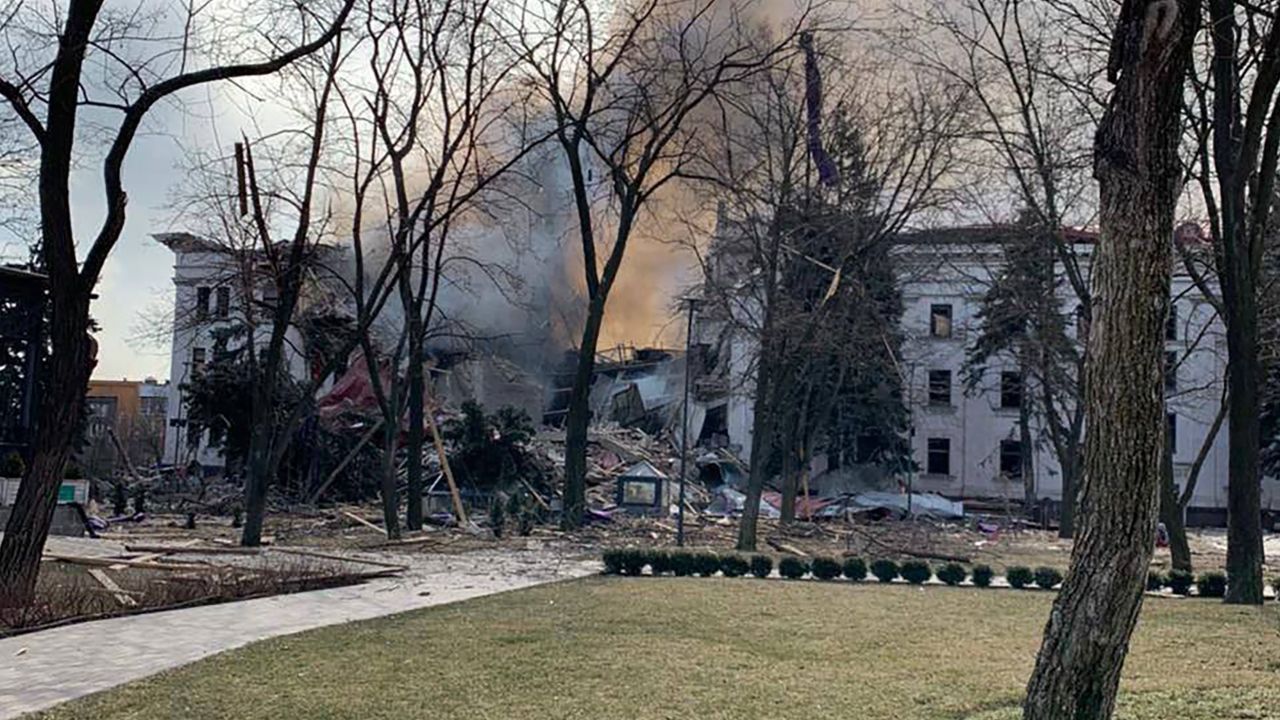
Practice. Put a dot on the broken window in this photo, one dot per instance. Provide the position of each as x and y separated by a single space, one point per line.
939 456
202 303
1171 323
1010 390
1171 371
939 387
940 321
1011 459
224 302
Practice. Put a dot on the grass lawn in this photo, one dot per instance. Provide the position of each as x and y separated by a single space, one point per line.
642 649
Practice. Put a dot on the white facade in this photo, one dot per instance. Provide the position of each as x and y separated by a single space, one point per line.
966 429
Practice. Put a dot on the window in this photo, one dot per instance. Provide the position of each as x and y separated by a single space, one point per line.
1171 438
1171 370
1010 390
224 302
197 360
939 456
1011 459
202 303
1171 323
940 321
939 387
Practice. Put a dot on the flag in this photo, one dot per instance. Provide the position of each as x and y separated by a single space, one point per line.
827 172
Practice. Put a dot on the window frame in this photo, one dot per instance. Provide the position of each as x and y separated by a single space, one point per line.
944 450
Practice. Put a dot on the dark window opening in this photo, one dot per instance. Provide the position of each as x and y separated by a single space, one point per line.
940 321
1171 370
1171 436
939 456
1171 323
1011 459
1010 390
939 387
202 303
224 302
197 360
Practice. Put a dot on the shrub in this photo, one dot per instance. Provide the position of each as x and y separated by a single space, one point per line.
1047 577
497 517
1155 581
1180 582
792 568
1019 576
982 575
633 562
916 572
825 568
952 573
612 562
733 566
855 569
884 570
681 563
660 562
1212 584
761 566
13 466
706 564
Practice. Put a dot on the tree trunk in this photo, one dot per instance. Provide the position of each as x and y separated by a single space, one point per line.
578 419
1136 163
390 485
1026 445
61 406
415 439
1171 516
1244 486
790 477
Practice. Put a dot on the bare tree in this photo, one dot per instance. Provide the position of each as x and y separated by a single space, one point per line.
145 67
1139 173
625 92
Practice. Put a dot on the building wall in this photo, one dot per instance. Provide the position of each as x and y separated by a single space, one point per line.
136 411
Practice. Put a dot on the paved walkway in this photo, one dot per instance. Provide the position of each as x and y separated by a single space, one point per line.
42 669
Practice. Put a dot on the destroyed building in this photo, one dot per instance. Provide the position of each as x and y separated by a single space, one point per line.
965 441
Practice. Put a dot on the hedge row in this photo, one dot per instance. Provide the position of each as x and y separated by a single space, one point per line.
1210 584
682 563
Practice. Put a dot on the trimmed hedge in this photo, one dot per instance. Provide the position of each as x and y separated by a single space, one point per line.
855 569
1047 577
660 562
1019 576
982 575
916 572
1155 581
792 568
1180 582
612 562
732 566
706 564
825 568
1212 585
761 566
682 564
952 573
884 570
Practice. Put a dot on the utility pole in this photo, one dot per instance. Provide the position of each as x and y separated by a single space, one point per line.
684 422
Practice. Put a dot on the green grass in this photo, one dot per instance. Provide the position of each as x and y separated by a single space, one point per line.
642 649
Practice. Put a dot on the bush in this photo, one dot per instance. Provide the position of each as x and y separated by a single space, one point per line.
1212 585
761 566
660 562
916 572
612 562
1019 576
1180 582
733 566
792 568
982 575
681 562
1155 581
952 573
706 564
884 570
1047 577
825 568
633 562
855 569
13 466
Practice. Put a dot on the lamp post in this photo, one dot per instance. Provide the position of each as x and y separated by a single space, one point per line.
684 423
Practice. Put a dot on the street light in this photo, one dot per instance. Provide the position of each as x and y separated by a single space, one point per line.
684 422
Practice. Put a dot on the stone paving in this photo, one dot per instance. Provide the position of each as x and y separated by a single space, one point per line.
42 669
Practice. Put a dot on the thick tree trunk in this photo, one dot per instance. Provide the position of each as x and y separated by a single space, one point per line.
390 485
60 408
790 478
415 439
578 419
1136 163
257 478
1244 488
1070 485
1171 516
